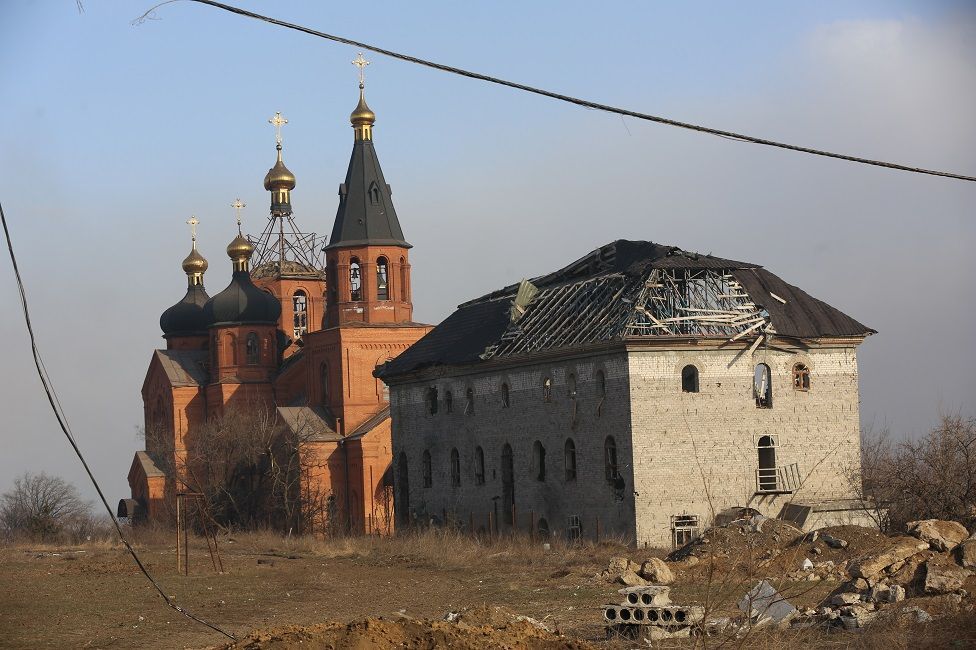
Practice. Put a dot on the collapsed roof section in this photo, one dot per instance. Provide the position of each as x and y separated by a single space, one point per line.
627 290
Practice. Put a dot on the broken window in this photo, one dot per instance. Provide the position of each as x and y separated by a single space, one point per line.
762 387
426 469
448 402
455 468
469 402
767 475
569 459
505 396
801 377
479 466
432 400
539 461
382 279
689 379
684 530
251 348
574 529
299 307
355 281
610 456
547 389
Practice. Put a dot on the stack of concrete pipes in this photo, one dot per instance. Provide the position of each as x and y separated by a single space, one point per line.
649 610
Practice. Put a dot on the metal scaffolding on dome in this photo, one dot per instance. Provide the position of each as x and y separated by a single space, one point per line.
283 250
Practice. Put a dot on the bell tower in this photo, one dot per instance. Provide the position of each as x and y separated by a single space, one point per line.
367 257
287 262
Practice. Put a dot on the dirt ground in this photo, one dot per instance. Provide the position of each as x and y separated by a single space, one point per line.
97 598
280 593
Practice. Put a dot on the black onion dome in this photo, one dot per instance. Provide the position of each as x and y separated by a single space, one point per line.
186 317
242 302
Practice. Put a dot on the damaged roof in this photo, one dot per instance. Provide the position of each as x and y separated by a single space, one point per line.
627 290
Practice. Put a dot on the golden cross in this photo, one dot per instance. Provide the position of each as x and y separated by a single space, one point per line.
238 205
361 63
193 221
278 121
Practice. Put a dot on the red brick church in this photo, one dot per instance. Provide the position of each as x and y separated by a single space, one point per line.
293 336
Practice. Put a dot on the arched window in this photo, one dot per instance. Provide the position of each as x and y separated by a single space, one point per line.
572 386
426 469
547 389
766 476
251 349
355 281
403 279
455 468
324 375
231 353
610 456
479 466
762 387
601 384
469 402
801 377
539 461
542 528
382 279
508 484
505 396
403 489
448 402
299 307
569 459
689 379
432 400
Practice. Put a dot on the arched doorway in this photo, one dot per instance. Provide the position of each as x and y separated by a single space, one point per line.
767 464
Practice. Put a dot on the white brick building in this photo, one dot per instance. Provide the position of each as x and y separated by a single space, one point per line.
637 392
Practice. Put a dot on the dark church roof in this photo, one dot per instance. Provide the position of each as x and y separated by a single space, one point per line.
186 317
242 302
626 290
366 214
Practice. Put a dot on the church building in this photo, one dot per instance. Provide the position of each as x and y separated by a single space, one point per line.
295 336
641 392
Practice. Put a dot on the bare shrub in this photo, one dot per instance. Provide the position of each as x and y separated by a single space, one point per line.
933 477
45 508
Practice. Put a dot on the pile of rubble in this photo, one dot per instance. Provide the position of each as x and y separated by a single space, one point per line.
914 577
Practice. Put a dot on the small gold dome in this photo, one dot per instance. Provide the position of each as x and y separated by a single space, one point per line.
195 263
362 114
278 177
239 249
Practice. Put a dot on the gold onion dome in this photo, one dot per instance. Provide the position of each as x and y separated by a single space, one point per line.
278 177
239 249
195 263
362 114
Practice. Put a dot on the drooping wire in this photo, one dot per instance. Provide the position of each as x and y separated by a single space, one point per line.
53 400
149 15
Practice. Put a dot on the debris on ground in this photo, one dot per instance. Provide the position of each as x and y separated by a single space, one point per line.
482 627
941 535
763 605
649 611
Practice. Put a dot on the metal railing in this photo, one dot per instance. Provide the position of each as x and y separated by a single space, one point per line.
785 478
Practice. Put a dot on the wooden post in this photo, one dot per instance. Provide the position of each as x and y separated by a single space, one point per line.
489 525
514 520
186 544
598 529
471 530
179 535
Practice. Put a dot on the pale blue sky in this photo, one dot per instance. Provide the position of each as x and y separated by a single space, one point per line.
114 134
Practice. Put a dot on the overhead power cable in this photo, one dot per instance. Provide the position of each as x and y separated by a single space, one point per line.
564 98
55 403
